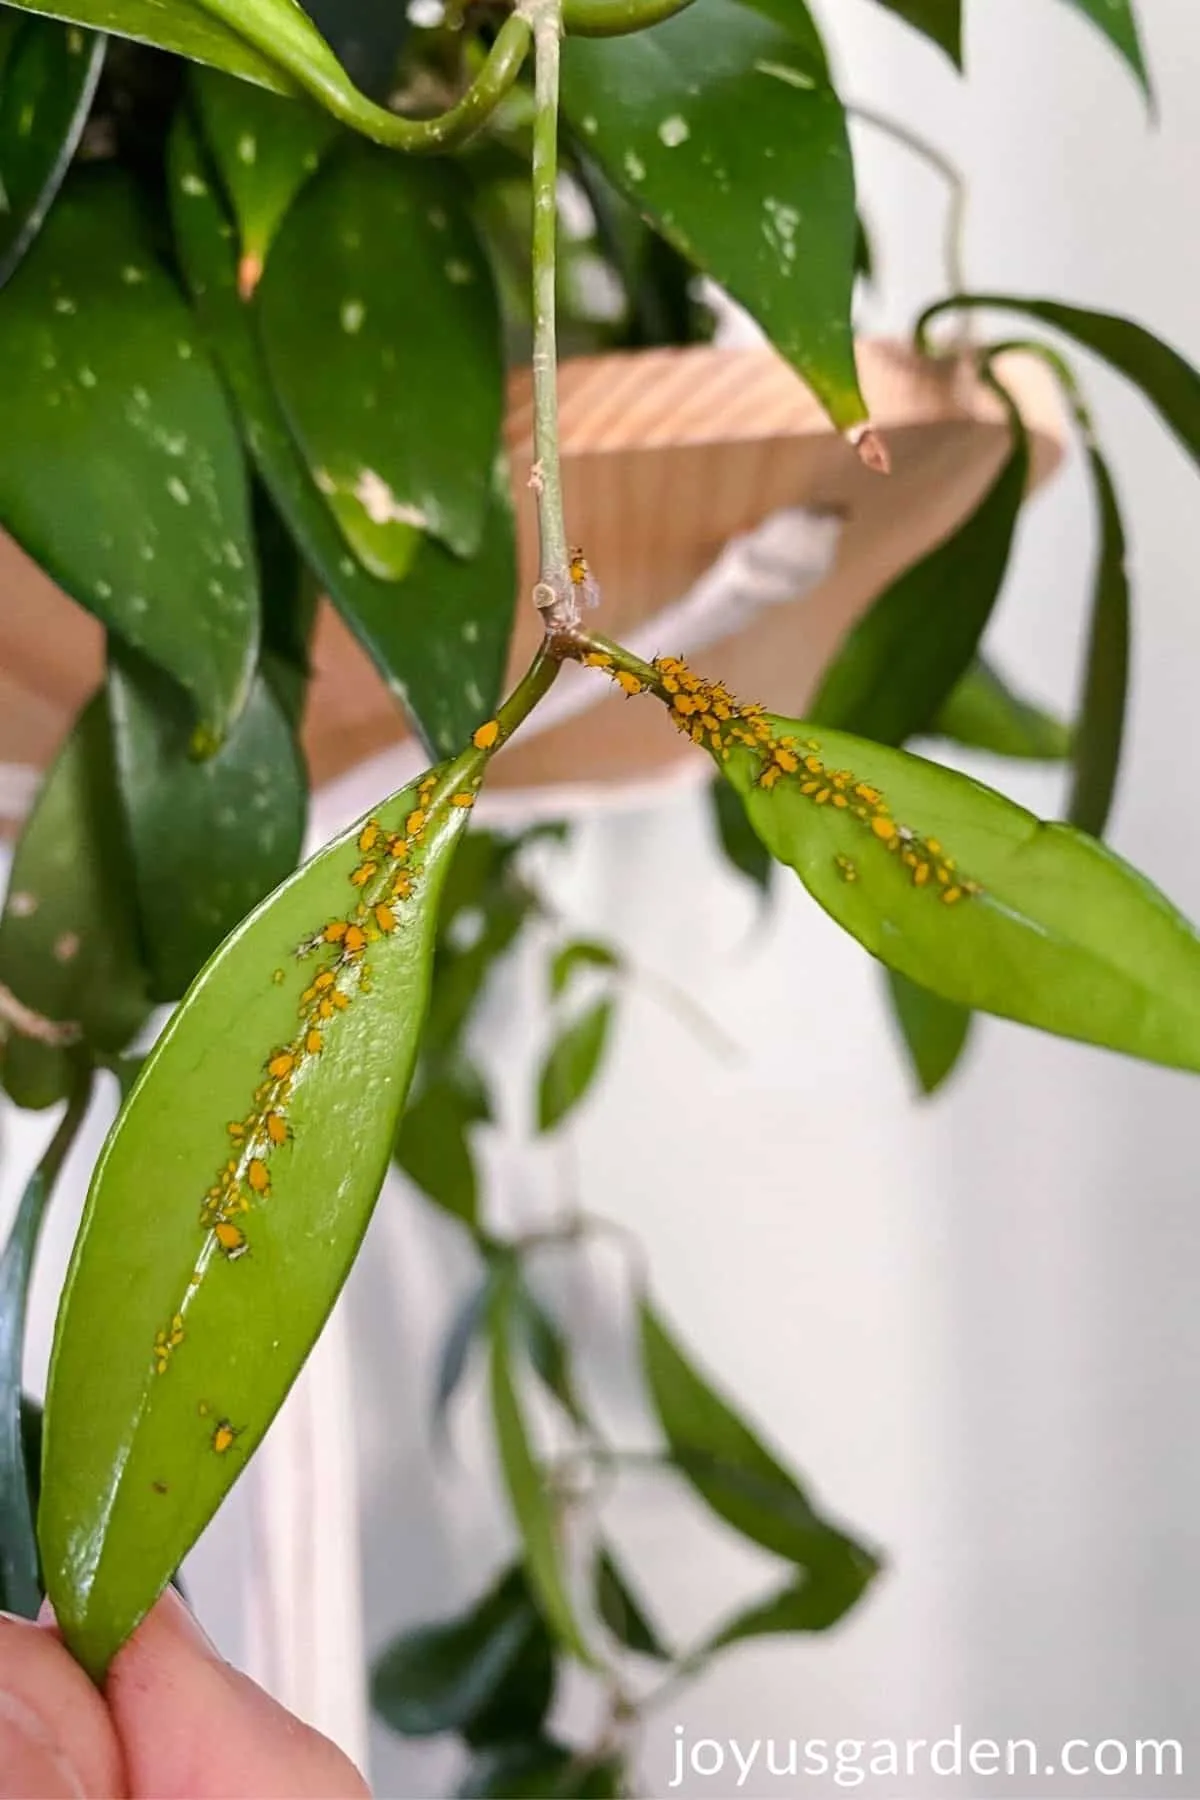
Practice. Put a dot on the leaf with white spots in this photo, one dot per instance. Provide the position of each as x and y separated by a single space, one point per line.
382 334
184 26
68 946
440 640
265 149
209 1257
209 837
722 127
47 81
121 472
973 897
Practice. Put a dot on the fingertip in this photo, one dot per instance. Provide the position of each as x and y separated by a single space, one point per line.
56 1737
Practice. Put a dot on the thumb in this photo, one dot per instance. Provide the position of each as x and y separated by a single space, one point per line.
192 1728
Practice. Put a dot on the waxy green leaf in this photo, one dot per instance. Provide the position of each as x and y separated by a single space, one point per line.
433 1146
1100 730
572 1064
381 329
533 1504
734 1473
439 640
940 20
1169 382
816 1603
468 1323
68 944
1117 19
184 26
209 838
903 659
547 1349
622 1612
265 149
47 78
993 908
742 846
20 1584
723 129
488 1674
225 1210
934 1031
100 364
985 713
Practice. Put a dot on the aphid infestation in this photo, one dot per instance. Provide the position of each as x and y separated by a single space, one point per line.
290 321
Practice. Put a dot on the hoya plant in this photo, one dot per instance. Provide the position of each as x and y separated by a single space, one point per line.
264 269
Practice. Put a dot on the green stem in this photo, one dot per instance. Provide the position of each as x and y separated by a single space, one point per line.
1062 370
929 154
305 57
554 594
536 682
612 18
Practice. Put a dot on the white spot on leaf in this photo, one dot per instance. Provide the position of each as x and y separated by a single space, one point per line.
674 131
352 315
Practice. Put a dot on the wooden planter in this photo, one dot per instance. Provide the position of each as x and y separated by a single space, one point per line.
667 455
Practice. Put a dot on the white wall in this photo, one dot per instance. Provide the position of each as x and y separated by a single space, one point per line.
969 1324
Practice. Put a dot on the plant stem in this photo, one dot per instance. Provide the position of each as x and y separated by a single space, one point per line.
554 594
952 176
612 18
315 69
533 685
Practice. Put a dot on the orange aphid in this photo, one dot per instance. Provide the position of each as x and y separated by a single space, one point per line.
258 1175
276 1127
385 918
356 939
281 1064
335 931
231 1238
485 735
313 1041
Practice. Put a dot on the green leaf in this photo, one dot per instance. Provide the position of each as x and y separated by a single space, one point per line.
20 1582
440 641
1169 382
542 1769
1100 730
1043 924
380 325
488 1674
934 1030
546 1347
741 843
68 948
1117 19
228 1248
184 26
366 36
572 1064
582 953
209 838
734 1473
48 77
940 20
814 1604
533 1505
899 665
99 363
457 1345
723 129
433 1144
985 713
622 1612
265 149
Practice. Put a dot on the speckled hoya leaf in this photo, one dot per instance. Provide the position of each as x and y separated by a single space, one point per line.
68 943
722 127
105 387
940 20
439 640
973 897
226 1207
381 329
184 26
48 75
265 149
209 837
